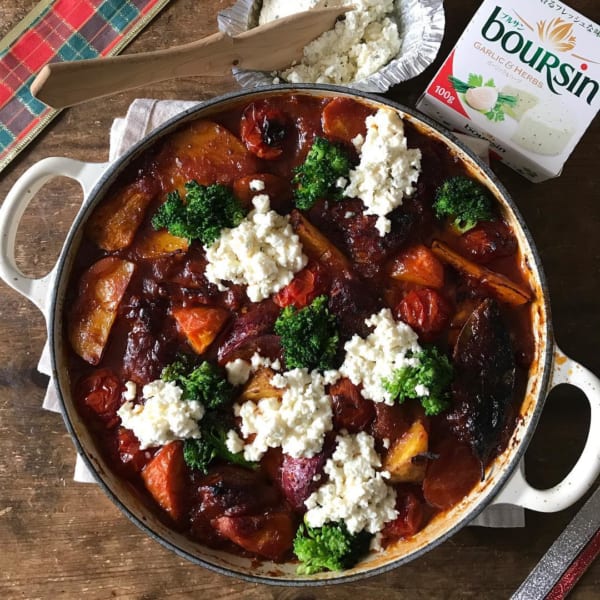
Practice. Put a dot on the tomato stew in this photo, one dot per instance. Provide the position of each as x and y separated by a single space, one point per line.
140 298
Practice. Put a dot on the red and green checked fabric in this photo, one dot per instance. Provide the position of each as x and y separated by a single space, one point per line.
58 30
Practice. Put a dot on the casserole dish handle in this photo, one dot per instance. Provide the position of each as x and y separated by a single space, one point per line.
14 206
587 468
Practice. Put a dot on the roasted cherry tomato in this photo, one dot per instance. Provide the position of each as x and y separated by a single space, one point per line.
418 264
263 129
410 519
101 393
426 311
129 450
304 288
487 241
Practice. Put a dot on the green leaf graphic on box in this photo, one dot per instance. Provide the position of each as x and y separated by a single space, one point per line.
504 101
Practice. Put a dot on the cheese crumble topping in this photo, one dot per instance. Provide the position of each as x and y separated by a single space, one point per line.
388 169
357 491
262 253
370 360
164 417
297 423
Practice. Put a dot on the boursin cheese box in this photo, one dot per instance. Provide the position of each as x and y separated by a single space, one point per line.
524 75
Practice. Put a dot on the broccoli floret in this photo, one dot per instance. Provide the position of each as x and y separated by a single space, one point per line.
318 176
199 453
464 201
204 382
205 211
330 547
434 371
309 336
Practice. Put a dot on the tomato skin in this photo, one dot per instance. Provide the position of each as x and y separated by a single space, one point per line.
487 241
426 311
263 129
304 288
101 393
410 519
129 450
419 265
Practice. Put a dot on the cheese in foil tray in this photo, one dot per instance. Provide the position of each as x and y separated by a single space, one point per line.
525 76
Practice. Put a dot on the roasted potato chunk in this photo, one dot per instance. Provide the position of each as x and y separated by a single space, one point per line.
113 224
399 459
101 289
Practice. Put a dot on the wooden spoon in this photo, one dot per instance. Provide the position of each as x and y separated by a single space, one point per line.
269 47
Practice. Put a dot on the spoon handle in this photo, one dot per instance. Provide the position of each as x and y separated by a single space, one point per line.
63 84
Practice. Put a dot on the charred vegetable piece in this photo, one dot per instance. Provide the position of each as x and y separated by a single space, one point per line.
323 175
164 477
233 491
263 129
485 380
200 324
101 289
488 241
269 535
501 286
113 224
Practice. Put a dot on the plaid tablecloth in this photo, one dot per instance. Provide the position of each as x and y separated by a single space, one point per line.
58 30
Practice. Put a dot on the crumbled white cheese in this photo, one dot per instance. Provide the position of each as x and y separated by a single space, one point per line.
358 45
297 422
234 442
370 360
164 416
239 370
356 491
262 252
276 9
257 185
388 170
130 391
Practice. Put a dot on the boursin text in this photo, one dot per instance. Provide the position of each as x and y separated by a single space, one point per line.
558 74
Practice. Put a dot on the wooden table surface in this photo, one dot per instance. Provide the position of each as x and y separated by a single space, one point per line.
61 539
